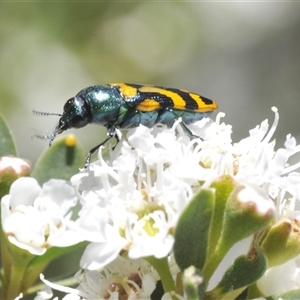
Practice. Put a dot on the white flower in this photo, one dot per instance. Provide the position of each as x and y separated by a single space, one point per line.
44 294
259 163
35 218
123 278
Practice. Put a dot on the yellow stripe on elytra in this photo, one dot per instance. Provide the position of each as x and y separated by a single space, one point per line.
202 106
126 90
178 101
148 105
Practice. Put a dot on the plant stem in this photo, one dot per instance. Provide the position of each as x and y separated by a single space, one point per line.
162 268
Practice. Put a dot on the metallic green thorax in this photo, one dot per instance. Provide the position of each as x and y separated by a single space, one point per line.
96 104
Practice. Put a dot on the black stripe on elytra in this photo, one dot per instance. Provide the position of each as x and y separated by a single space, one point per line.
190 103
186 96
137 86
163 100
206 100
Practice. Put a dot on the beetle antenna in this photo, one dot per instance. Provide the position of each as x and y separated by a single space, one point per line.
46 136
43 113
53 135
41 136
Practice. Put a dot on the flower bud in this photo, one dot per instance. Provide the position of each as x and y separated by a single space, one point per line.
11 168
282 242
248 210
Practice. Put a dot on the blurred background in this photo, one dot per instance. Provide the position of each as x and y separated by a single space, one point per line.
246 56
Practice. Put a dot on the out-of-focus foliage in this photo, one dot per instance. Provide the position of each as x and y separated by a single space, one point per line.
243 55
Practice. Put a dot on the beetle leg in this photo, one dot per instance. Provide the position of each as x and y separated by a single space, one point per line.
110 134
188 132
164 118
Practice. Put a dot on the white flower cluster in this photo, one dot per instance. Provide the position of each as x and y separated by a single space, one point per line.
133 200
254 159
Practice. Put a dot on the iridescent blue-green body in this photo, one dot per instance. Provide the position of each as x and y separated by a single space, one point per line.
123 105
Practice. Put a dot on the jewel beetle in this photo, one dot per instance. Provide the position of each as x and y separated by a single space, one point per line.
122 105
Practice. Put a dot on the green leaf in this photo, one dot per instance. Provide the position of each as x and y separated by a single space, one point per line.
241 219
245 270
60 161
15 261
39 263
161 266
224 186
290 295
7 144
55 252
192 231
